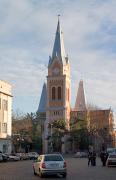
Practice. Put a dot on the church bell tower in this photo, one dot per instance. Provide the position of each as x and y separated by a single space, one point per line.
58 82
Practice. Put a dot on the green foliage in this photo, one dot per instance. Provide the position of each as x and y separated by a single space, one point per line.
79 132
81 136
29 130
58 130
59 124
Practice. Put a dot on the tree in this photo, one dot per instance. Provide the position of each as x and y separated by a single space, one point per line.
79 132
58 128
25 127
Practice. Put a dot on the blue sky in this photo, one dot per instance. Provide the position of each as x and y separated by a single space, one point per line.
27 32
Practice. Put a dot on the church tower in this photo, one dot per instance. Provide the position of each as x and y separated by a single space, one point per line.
80 104
58 82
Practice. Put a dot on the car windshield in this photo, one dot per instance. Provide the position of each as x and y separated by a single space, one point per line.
112 156
53 158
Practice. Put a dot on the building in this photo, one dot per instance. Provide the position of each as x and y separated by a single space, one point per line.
5 117
114 139
79 119
56 96
58 83
101 124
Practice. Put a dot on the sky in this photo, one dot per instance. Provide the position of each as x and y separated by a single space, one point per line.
27 32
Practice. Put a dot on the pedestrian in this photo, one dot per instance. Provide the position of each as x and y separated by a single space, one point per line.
103 156
89 158
93 159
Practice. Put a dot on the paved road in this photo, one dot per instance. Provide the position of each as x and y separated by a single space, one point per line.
77 170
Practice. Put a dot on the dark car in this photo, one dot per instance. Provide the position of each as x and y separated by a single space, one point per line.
3 157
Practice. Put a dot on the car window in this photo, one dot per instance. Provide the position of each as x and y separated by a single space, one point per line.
53 158
112 156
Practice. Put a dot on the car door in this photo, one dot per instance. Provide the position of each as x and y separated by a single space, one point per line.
37 164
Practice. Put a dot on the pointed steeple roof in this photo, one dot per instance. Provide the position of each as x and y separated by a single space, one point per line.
80 104
43 100
58 48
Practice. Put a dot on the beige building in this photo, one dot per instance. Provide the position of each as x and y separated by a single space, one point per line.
5 117
101 123
114 139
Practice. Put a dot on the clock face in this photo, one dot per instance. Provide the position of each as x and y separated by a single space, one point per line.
56 71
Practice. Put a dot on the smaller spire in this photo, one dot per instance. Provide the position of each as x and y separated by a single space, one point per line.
80 104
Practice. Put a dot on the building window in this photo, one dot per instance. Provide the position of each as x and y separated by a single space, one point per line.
4 127
53 93
5 148
59 93
5 105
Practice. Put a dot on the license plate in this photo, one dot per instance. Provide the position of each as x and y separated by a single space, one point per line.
54 165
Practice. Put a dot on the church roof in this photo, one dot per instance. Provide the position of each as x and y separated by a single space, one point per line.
58 48
80 104
43 100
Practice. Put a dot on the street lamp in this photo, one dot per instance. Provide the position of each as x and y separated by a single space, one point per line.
51 133
20 140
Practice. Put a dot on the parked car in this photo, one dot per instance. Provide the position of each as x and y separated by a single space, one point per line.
33 155
3 157
23 156
50 164
111 151
80 154
13 157
111 161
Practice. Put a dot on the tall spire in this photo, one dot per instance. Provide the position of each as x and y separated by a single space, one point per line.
58 49
80 100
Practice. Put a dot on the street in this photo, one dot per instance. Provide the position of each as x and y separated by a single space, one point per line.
77 170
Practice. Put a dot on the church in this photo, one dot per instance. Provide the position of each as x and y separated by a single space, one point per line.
55 100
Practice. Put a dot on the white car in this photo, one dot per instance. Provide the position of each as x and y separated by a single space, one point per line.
13 157
50 164
33 155
81 155
111 161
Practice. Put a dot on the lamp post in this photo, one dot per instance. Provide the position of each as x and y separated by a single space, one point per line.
20 140
51 133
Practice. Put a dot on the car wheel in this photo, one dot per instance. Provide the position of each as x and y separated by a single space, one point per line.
64 175
40 174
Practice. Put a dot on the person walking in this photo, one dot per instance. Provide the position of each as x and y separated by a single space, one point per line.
103 156
93 160
89 158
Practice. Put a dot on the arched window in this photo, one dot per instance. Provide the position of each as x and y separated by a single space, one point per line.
53 93
59 92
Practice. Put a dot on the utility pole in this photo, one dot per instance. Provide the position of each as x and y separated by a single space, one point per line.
51 145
